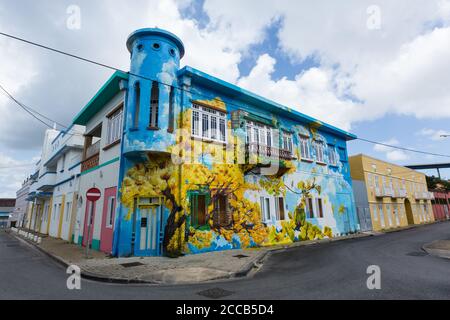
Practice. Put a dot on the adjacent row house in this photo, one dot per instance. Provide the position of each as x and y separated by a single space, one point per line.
389 196
440 204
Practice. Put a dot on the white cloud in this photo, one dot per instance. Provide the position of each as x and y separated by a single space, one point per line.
435 135
391 153
12 174
312 92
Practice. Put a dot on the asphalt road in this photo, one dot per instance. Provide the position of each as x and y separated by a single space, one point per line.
335 270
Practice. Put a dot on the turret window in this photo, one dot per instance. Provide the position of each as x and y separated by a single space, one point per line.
137 104
171 110
154 105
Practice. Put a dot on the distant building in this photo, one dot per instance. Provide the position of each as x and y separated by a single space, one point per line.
53 190
23 205
441 204
6 210
387 195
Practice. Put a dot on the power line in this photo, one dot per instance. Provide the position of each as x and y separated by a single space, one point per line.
182 89
402 148
32 112
24 108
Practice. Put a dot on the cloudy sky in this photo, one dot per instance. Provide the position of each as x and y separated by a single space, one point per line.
380 69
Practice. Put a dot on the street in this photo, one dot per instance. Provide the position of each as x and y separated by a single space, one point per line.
334 270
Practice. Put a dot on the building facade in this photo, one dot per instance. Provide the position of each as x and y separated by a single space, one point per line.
206 165
387 195
102 117
54 184
23 206
441 203
188 163
6 213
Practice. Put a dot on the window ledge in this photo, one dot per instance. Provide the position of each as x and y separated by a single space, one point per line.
152 128
321 163
112 144
334 165
207 140
133 129
307 160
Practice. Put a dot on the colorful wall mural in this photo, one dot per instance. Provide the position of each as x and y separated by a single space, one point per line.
221 168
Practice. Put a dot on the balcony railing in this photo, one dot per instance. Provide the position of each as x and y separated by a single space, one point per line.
93 149
255 149
90 163
400 193
379 192
388 192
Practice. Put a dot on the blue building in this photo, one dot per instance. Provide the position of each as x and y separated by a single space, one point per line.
206 165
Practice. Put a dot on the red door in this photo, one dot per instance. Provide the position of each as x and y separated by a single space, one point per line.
89 219
109 210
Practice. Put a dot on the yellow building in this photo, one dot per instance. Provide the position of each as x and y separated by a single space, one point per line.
389 196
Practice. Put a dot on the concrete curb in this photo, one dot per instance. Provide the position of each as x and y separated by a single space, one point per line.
84 274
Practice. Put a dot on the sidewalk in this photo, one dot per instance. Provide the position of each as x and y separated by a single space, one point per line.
152 270
440 248
193 268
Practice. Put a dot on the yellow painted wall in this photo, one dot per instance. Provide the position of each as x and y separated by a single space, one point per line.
372 171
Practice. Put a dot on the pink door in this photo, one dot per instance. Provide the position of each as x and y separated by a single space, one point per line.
89 219
109 210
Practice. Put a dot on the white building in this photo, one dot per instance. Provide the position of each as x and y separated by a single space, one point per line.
102 117
20 212
54 184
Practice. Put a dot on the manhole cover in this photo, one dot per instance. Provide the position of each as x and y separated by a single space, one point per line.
215 293
240 256
417 254
131 264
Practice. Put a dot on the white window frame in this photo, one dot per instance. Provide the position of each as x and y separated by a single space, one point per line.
332 156
309 208
375 213
316 208
206 115
110 212
319 149
114 126
287 142
265 209
305 148
260 134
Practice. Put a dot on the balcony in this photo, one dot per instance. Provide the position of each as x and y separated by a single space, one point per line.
92 157
379 192
93 149
90 163
400 193
425 195
263 152
46 181
388 192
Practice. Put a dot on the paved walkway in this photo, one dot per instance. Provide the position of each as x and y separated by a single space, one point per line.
440 248
185 269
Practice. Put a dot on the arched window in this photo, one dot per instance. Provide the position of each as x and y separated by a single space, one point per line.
137 104
154 104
